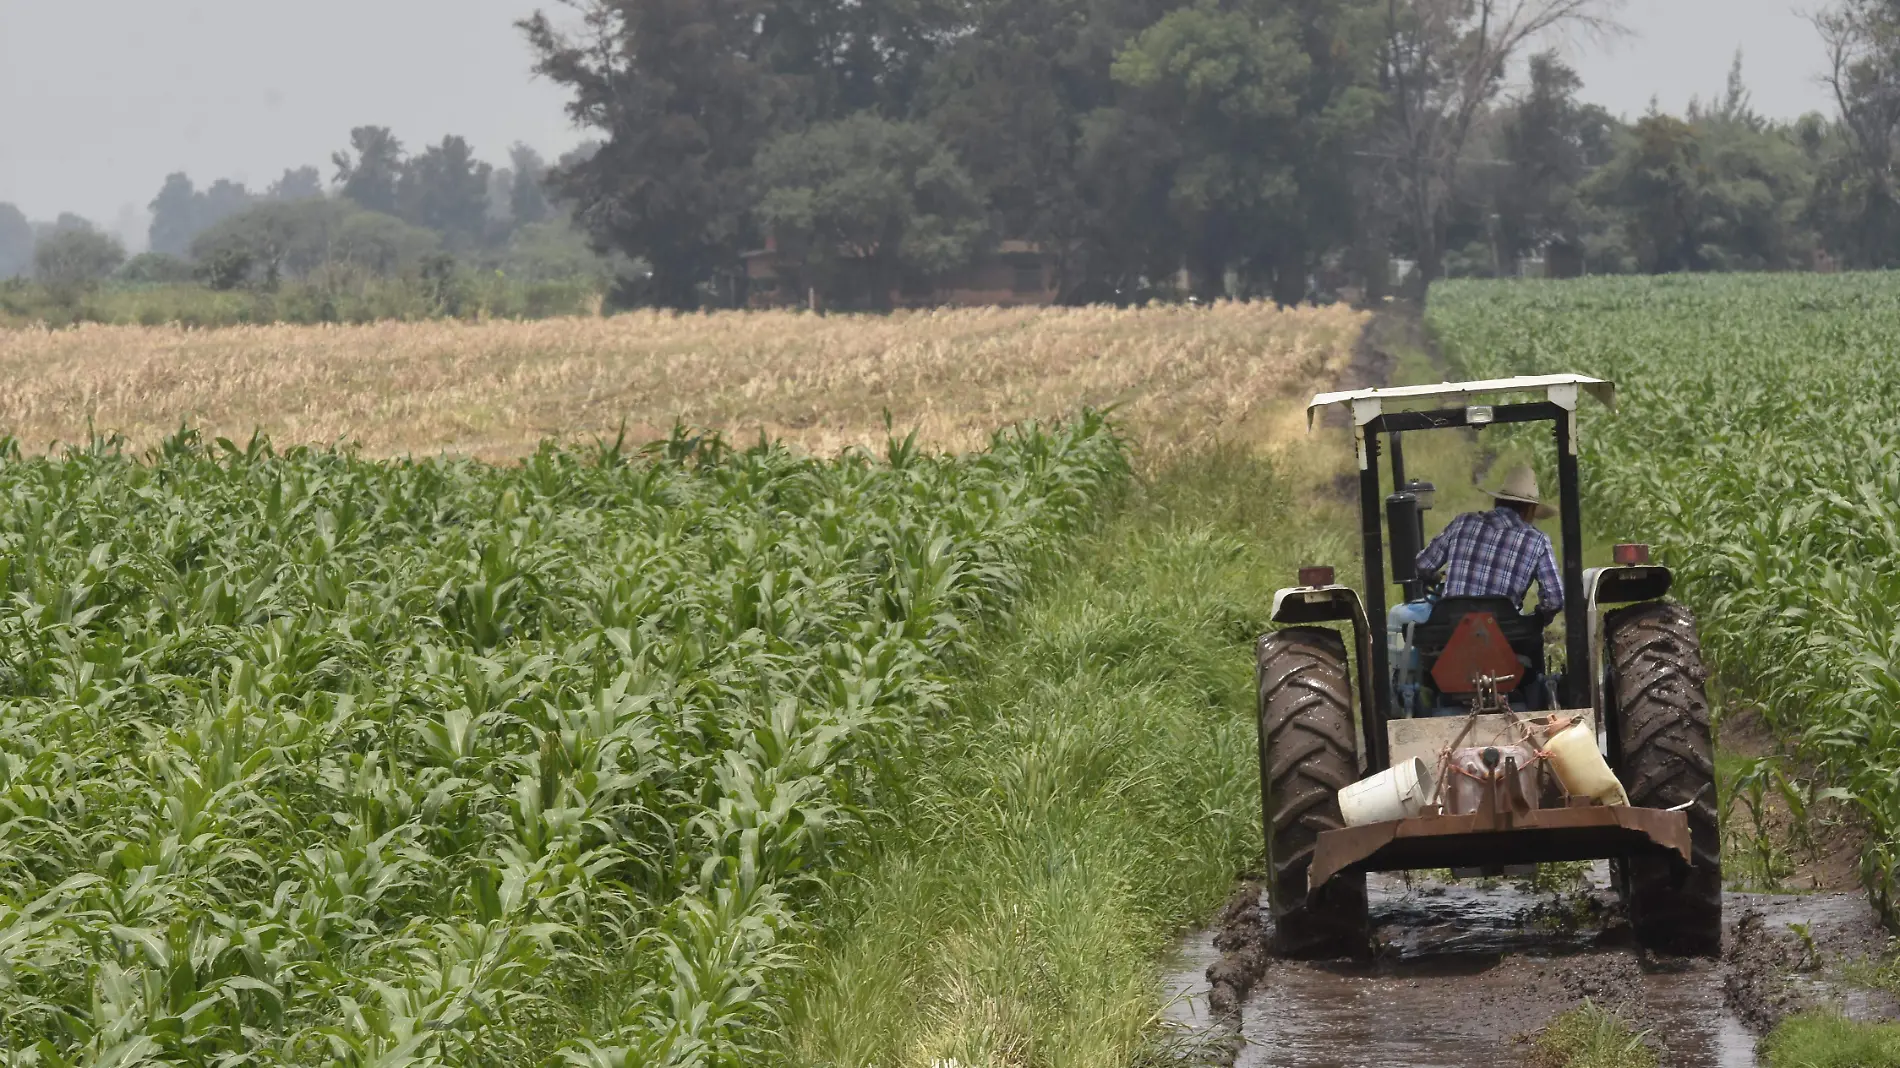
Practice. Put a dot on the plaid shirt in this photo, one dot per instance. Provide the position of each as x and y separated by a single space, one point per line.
1495 554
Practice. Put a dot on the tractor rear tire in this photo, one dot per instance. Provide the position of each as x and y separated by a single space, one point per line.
1307 752
1667 759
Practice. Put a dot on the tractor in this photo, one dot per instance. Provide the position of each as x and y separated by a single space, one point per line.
1453 682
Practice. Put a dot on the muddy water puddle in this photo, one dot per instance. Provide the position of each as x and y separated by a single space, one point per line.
1464 972
1464 975
1454 1013
1184 985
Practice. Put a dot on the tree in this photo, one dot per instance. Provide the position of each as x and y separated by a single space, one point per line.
370 177
1550 144
1862 38
862 204
527 200
1756 199
302 183
1734 107
1443 64
16 242
156 268
72 261
1025 96
223 199
174 216
1721 189
684 100
1262 114
1660 183
383 244
554 252
1129 248
846 58
275 239
1759 175
181 212
1226 80
445 189
578 155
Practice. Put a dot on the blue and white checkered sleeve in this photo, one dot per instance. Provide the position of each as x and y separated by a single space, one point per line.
1550 585
1433 559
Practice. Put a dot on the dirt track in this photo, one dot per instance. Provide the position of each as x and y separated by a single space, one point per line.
1463 975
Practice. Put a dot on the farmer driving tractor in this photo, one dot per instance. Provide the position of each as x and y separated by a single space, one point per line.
1499 553
1457 693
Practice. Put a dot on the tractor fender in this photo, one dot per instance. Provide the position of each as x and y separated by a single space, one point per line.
1622 584
1333 604
1626 584
1318 604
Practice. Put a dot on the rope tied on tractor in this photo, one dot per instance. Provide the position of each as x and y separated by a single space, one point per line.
1481 766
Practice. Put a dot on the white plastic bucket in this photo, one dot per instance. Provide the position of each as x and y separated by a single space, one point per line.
1399 792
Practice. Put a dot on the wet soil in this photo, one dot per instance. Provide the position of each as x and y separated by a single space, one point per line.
1392 331
1821 847
1464 975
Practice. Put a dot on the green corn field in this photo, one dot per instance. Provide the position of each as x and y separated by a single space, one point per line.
1758 445
308 759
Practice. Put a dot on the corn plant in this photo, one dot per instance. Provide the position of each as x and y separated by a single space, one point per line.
308 759
1758 446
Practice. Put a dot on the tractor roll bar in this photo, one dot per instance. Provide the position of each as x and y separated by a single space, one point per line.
1377 707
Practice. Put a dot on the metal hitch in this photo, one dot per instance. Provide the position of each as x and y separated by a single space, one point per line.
1488 839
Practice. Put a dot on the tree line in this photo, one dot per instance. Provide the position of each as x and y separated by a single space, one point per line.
1283 149
1227 148
385 214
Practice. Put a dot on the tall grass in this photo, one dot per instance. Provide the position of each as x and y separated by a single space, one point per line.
1095 792
1590 1036
1826 1040
307 759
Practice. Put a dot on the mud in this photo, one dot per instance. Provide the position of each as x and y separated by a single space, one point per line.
1820 846
1393 328
1464 975
1197 1036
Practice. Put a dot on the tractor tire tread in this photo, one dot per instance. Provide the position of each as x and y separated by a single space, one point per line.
1662 719
1308 751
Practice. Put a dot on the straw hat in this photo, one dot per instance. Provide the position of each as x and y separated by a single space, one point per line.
1520 487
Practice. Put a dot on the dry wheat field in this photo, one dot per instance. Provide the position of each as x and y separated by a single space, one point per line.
1180 376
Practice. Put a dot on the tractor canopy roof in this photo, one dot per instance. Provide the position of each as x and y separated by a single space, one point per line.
1369 404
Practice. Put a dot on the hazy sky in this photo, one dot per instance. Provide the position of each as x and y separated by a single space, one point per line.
100 99
1682 48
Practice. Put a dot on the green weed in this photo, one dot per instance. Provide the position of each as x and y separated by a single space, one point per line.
1557 878
1590 1036
1828 1040
1095 793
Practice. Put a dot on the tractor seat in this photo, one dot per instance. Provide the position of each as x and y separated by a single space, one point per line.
1524 634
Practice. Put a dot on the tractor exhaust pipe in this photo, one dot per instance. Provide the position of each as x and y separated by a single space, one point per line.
1406 521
